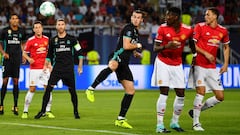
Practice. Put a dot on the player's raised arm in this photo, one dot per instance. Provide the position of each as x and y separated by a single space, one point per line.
127 45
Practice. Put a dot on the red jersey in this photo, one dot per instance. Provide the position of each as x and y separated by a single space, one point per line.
37 47
209 39
166 34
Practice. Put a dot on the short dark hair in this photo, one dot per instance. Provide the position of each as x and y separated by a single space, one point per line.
13 14
175 10
61 19
214 10
140 11
37 22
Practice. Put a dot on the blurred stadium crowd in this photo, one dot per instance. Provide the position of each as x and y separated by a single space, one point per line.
116 12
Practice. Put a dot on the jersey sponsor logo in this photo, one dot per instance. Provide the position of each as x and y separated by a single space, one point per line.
213 42
14 41
176 39
41 50
62 42
63 49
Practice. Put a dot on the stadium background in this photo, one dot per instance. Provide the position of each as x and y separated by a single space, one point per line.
102 35
142 78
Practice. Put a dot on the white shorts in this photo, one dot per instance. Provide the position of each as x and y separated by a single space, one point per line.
208 77
38 77
167 75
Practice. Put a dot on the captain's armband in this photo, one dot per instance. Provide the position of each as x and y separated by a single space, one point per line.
77 46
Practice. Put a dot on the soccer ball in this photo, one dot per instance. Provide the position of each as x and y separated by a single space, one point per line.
47 8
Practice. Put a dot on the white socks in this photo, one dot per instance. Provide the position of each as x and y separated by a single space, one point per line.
177 108
28 100
210 102
161 107
197 108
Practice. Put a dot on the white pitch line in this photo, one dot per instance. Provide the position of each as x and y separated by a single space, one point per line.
70 129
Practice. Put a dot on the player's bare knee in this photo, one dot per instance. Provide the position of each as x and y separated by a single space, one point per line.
15 81
220 98
130 92
113 65
180 92
113 68
32 89
219 95
164 90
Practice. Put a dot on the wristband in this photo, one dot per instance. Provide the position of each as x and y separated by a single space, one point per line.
139 45
195 54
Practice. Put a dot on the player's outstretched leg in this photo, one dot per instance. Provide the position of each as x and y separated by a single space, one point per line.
100 78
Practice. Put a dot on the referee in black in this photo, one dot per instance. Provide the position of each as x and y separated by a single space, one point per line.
12 41
60 58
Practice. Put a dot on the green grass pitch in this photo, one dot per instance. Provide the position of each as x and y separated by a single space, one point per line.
98 118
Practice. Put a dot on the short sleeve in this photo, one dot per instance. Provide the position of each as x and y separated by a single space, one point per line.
159 36
197 32
128 32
